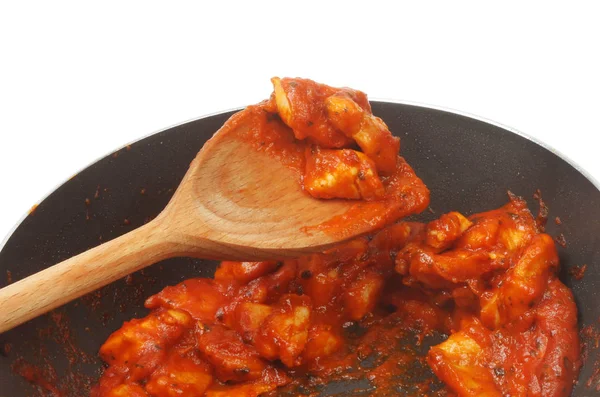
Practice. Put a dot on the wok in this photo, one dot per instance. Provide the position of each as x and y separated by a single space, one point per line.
467 163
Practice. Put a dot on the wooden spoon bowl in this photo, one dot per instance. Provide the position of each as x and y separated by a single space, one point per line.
233 203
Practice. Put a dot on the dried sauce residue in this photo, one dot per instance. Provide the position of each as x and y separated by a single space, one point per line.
560 240
121 299
9 278
41 372
542 216
557 221
5 349
590 337
577 271
43 378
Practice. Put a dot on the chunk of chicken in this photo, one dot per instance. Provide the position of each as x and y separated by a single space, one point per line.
523 285
362 295
507 229
244 272
127 390
232 358
245 390
461 360
284 334
200 297
454 266
442 232
322 342
341 174
180 376
249 317
331 116
556 319
271 379
140 344
322 284
301 105
369 132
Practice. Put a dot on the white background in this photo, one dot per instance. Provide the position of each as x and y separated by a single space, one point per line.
79 79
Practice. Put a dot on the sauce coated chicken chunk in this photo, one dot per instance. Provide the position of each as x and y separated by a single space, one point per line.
364 310
331 121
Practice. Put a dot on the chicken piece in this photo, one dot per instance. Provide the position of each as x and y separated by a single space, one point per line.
440 271
140 344
246 390
341 173
271 379
322 342
442 232
523 285
244 272
416 311
200 297
461 360
284 333
508 228
322 284
483 233
556 320
465 298
370 132
265 290
343 252
232 359
454 266
180 376
331 116
456 250
127 390
249 317
112 378
539 355
394 237
301 105
362 295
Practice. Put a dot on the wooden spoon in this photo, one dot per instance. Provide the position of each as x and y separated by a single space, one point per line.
233 203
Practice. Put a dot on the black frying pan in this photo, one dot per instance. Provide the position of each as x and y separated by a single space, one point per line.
468 164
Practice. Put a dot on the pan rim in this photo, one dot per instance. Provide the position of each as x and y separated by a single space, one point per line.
515 131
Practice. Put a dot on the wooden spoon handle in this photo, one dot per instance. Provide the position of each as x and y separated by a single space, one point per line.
74 277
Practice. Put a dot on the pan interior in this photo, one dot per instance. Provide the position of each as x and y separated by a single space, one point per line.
468 165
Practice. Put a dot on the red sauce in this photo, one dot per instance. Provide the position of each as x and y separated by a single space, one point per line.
43 380
331 159
542 216
577 271
487 283
561 240
366 310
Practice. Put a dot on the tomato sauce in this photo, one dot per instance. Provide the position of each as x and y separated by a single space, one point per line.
337 149
366 310
460 306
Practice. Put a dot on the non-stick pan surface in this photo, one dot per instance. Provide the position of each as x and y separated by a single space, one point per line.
468 164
